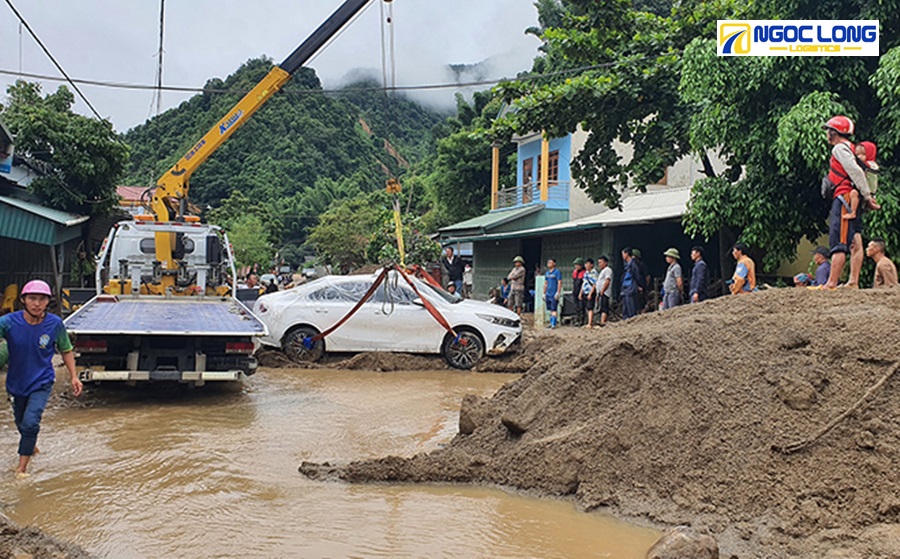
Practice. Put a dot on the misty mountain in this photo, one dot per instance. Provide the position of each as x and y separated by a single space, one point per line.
301 139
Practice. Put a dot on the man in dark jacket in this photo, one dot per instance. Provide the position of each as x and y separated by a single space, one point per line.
454 266
699 276
630 282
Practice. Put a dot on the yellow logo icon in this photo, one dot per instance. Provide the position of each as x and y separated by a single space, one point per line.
734 38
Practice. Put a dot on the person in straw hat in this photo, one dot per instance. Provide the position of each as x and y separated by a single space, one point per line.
674 281
516 279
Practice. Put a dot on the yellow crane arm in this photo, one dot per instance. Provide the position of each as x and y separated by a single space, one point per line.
170 197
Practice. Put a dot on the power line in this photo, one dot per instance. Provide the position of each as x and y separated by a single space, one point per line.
420 87
52 59
159 71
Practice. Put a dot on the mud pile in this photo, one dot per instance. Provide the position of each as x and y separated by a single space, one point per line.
30 543
537 347
678 418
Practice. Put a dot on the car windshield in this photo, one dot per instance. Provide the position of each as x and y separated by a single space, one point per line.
452 298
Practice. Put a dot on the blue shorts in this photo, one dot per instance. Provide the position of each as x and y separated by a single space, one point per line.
840 230
552 303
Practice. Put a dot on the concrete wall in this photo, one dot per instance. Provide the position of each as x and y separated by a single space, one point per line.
492 262
566 247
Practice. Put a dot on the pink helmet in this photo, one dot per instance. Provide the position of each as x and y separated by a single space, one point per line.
37 287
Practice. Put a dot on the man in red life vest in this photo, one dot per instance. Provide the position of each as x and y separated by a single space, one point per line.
844 172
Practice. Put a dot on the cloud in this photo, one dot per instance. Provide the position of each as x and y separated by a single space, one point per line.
116 41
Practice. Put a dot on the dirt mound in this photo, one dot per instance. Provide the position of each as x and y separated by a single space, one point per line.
677 417
20 543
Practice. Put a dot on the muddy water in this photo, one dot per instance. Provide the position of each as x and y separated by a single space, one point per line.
213 473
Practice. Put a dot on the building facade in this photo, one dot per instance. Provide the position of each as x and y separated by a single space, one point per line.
547 215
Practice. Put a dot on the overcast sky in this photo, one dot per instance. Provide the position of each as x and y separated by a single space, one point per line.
115 40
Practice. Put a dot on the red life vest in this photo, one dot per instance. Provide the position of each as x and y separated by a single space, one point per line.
838 175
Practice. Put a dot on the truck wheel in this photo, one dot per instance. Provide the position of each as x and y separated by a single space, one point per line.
466 352
296 350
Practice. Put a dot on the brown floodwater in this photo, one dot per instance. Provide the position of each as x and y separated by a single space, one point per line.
213 473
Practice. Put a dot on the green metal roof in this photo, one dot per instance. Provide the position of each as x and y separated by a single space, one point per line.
492 219
27 221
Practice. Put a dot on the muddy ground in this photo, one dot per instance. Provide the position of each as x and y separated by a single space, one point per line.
678 418
520 362
17 542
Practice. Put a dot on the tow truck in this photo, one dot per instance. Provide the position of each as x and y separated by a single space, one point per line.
165 307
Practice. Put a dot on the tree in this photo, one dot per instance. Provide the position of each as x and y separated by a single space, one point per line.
656 83
236 207
764 116
459 175
419 247
250 246
80 159
629 94
345 231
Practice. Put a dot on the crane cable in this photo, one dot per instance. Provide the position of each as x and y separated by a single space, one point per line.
309 342
393 188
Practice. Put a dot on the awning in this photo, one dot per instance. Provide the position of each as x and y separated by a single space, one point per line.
484 223
638 208
27 221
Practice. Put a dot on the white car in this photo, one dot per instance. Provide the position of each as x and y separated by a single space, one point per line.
393 319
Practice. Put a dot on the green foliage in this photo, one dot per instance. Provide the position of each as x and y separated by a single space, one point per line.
799 142
297 155
419 247
345 231
884 223
81 159
250 247
457 177
630 94
661 88
886 84
237 206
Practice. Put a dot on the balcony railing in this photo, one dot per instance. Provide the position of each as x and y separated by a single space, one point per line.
525 194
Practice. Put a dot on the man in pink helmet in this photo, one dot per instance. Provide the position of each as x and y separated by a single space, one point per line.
33 336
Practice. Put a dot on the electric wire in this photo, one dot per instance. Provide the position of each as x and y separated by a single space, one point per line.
52 58
340 32
159 69
420 87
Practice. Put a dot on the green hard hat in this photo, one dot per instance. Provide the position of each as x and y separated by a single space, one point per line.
673 252
636 252
578 261
519 259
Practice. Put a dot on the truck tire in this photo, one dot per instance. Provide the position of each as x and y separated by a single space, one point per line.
296 350
464 354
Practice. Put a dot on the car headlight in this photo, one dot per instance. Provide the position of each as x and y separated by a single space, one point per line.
499 320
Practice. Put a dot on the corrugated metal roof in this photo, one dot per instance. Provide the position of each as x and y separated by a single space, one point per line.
493 219
56 216
27 221
668 203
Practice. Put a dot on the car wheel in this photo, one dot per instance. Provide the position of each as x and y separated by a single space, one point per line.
295 348
464 351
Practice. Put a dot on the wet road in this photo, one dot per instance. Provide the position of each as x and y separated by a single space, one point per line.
213 473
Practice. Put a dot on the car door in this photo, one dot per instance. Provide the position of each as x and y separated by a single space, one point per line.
412 327
368 329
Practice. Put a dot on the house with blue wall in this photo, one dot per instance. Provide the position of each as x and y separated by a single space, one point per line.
547 215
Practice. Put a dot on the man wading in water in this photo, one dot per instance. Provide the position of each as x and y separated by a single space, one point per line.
33 336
